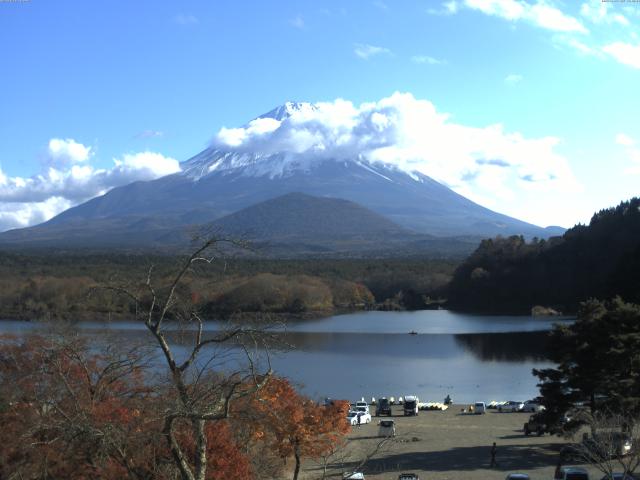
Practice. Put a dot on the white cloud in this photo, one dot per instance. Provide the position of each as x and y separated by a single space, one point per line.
186 19
19 215
68 179
67 151
624 53
599 13
540 14
544 14
625 140
448 8
513 79
410 134
508 9
150 134
426 59
366 51
144 166
235 137
297 22
580 46
633 152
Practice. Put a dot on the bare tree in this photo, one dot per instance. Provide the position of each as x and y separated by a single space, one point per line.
609 441
349 453
202 385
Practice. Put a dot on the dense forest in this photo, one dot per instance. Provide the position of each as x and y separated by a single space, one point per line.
599 260
65 286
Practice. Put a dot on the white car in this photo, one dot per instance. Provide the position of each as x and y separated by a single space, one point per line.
353 476
352 417
362 404
511 406
364 409
531 406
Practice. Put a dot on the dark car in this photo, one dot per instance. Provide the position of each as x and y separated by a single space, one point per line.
535 425
408 476
383 407
571 473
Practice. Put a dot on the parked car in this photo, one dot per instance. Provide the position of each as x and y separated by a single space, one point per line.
511 406
535 425
479 408
353 476
408 476
571 473
517 476
362 409
352 416
362 404
410 406
383 407
387 428
532 406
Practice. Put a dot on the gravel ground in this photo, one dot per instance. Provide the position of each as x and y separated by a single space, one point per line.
449 445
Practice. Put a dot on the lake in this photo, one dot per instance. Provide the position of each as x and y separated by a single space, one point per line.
365 354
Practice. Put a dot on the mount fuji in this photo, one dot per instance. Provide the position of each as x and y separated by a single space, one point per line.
225 179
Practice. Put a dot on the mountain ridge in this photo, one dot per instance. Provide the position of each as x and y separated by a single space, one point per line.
218 182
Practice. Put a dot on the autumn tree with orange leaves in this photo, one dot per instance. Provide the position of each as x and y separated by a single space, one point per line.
68 411
295 425
74 409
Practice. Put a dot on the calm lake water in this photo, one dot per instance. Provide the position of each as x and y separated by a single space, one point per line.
470 357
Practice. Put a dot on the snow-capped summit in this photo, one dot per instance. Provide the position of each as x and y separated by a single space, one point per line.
289 108
325 151
294 137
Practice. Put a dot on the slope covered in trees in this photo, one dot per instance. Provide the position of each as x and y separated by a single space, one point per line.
60 286
600 260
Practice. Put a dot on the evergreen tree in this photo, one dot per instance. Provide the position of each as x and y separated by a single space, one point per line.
598 358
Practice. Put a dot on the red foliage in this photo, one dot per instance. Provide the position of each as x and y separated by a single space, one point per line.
67 412
77 415
294 424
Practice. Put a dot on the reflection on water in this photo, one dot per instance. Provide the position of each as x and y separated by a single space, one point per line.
506 347
469 367
470 357
425 321
486 347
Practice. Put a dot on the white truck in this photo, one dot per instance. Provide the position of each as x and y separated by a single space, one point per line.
410 405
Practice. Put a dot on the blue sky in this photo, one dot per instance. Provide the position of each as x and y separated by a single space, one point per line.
96 94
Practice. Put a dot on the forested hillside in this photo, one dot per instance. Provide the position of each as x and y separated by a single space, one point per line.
599 260
62 286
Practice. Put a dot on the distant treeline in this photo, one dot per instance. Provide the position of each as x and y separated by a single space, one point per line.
69 286
600 260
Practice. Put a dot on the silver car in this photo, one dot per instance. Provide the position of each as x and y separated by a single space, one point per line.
511 406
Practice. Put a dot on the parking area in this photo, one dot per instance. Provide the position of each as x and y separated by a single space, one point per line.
442 445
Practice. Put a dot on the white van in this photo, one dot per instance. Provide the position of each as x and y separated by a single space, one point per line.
479 408
410 406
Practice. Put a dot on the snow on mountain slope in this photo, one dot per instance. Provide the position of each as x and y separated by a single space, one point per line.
324 150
